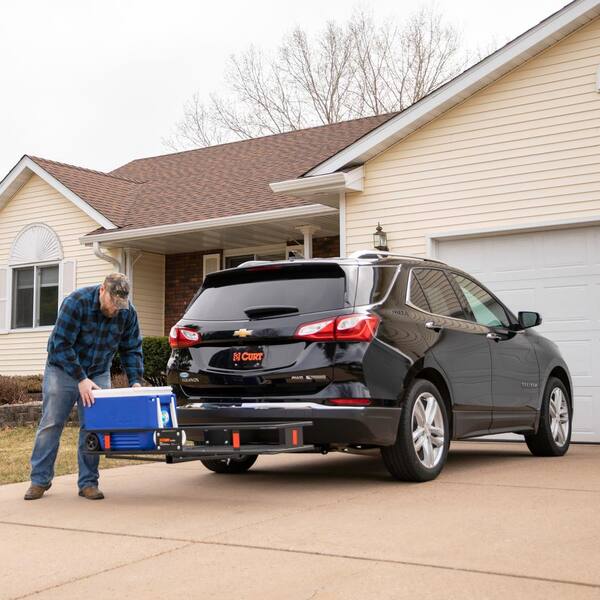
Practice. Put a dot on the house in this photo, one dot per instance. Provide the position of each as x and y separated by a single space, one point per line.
497 172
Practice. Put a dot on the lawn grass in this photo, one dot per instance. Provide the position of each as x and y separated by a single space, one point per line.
15 450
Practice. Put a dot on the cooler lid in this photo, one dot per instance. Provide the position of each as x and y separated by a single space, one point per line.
137 391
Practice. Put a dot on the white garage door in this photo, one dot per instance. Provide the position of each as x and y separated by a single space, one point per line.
556 273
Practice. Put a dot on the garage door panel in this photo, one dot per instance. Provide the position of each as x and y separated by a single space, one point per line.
556 273
564 248
583 416
509 256
557 297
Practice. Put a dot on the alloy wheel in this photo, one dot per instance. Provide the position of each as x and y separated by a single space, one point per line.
428 430
559 417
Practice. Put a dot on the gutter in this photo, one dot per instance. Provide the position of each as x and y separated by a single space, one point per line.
324 188
107 257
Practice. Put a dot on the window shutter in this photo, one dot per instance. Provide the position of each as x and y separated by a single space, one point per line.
4 299
211 263
69 278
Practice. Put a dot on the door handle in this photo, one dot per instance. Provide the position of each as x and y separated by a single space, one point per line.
493 336
434 326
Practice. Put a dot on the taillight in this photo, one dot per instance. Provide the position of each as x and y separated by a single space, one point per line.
183 337
319 330
356 328
350 401
346 328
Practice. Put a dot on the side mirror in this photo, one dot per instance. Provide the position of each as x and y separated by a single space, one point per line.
528 318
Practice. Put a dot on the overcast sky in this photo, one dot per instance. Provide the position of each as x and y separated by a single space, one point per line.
99 83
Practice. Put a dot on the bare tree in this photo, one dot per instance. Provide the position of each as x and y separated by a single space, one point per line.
357 69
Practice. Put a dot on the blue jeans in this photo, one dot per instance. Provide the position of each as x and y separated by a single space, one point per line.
60 392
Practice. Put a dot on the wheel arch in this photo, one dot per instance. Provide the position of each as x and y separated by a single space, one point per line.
434 376
561 373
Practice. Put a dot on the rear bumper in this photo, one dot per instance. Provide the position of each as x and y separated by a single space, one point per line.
331 425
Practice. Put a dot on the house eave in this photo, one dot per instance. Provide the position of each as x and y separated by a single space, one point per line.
542 36
322 188
18 176
117 237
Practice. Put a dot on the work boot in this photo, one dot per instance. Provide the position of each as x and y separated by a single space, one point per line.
91 493
35 492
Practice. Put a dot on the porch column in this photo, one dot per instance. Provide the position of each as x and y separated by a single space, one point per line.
307 231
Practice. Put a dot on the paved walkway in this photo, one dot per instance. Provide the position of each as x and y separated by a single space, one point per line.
497 523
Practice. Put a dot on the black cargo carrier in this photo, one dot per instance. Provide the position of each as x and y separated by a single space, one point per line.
214 441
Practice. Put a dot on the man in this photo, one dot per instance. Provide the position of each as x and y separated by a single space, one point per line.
93 323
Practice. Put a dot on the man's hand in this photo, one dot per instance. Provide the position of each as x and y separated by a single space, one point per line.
85 391
137 385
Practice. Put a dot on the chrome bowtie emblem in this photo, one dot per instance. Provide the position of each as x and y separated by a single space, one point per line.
242 332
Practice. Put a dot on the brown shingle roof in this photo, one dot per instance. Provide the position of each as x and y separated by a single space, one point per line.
211 182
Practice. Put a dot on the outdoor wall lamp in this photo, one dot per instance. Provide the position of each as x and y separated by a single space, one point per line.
380 239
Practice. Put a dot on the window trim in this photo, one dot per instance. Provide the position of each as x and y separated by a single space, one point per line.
432 314
10 291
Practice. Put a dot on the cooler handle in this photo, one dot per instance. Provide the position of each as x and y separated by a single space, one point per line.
173 412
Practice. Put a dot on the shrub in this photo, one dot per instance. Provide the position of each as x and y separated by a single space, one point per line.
156 352
13 390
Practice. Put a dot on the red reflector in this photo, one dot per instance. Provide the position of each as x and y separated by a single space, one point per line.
294 437
107 442
350 401
183 337
235 436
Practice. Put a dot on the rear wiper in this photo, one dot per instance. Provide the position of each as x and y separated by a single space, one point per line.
269 311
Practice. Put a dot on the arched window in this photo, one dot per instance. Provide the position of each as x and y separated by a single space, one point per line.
34 261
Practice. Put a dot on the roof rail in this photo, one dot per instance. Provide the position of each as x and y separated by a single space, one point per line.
384 254
253 263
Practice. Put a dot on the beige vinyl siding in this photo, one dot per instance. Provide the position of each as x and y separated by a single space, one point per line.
524 150
24 351
149 292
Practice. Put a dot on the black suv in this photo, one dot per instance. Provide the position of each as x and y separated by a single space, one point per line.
377 351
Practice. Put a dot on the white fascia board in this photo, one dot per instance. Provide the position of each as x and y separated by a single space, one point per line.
23 170
312 210
540 37
350 181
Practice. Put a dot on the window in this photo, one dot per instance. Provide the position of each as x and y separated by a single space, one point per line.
35 296
435 292
308 288
486 310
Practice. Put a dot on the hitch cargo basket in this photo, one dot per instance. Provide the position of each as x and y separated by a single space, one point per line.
212 441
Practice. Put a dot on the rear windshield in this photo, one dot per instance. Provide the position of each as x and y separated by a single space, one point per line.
226 295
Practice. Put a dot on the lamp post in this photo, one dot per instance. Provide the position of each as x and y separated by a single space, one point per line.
380 239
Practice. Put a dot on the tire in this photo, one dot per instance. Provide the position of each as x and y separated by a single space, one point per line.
229 465
553 436
404 459
92 443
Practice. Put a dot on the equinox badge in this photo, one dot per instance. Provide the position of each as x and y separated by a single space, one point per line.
242 332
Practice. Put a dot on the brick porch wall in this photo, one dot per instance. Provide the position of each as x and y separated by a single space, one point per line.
183 276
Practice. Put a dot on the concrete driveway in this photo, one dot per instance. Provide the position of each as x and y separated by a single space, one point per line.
497 523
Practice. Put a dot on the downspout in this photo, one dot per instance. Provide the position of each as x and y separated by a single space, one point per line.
107 257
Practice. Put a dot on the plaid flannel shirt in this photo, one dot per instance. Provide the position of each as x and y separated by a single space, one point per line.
84 341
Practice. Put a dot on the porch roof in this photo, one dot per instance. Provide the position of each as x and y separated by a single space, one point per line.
236 231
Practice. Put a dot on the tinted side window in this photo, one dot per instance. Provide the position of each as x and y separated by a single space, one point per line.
417 296
439 293
485 309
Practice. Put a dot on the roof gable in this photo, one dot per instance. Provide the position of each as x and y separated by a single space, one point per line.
26 167
532 42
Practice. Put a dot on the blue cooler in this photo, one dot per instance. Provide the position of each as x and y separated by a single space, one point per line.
131 408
